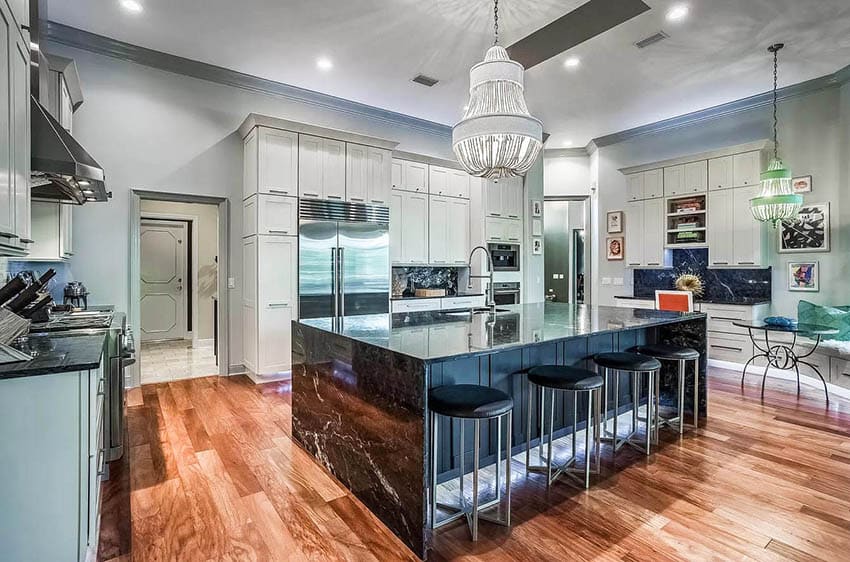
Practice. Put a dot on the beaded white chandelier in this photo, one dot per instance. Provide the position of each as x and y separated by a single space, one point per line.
497 136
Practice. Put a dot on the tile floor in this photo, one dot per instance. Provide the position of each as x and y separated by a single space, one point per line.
177 359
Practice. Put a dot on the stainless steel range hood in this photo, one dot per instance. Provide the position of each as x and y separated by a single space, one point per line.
62 170
61 167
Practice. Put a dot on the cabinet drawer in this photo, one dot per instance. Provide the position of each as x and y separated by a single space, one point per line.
461 302
729 348
727 312
416 305
839 372
726 325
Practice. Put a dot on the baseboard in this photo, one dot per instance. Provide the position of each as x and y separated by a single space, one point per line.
237 369
272 377
757 372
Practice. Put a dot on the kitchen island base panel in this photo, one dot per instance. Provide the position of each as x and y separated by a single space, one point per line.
361 409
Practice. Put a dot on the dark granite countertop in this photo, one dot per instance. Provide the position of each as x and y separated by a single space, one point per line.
745 301
56 352
457 296
440 335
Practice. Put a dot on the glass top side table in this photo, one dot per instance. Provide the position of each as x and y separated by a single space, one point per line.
781 355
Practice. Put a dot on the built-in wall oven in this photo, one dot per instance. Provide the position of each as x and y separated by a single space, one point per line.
506 293
505 256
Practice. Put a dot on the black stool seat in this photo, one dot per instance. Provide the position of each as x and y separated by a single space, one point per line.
669 352
563 377
469 401
622 361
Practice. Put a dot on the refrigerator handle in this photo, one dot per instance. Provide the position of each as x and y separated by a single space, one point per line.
341 270
334 282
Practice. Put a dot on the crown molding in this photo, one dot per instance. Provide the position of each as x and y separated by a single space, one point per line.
565 153
833 80
99 44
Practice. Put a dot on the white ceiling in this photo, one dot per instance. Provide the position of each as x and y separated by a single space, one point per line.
718 54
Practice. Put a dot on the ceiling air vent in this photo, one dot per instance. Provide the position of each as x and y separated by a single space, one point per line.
654 38
425 80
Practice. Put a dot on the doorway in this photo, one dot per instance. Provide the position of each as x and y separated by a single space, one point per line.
177 269
566 260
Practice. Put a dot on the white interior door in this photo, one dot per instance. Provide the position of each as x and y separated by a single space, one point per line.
163 274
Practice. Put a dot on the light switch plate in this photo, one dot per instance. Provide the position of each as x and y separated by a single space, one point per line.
606 280
231 283
618 281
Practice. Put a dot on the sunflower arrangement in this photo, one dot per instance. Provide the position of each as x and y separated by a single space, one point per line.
690 282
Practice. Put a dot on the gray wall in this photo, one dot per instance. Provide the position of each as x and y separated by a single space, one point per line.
160 131
814 140
532 267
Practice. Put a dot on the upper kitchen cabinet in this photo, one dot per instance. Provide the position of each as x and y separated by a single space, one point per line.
634 186
734 238
271 162
746 168
396 173
367 174
321 168
409 227
504 198
645 233
720 173
695 178
645 185
438 180
380 174
674 180
459 182
52 231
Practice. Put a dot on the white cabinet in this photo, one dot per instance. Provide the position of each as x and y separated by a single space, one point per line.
459 182
492 198
66 237
455 303
645 233
695 178
720 173
634 186
504 198
8 30
396 173
356 173
438 180
674 180
409 227
498 229
270 214
458 231
415 305
277 163
735 238
414 176
746 168
653 184
396 230
321 168
438 243
52 231
380 172
19 150
634 233
249 303
250 161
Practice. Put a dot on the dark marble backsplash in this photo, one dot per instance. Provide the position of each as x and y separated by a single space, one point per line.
727 283
426 278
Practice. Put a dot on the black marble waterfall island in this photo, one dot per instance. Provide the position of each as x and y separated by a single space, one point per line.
359 387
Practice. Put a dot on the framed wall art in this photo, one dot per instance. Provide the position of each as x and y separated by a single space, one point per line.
615 249
615 222
803 276
803 184
809 232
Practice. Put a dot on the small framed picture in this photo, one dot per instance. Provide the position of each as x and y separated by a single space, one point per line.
809 232
803 276
537 227
803 184
615 222
616 251
536 246
537 208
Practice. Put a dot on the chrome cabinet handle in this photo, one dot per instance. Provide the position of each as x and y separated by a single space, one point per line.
273 231
278 304
281 191
334 197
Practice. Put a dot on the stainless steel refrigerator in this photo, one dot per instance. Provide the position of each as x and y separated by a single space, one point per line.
343 259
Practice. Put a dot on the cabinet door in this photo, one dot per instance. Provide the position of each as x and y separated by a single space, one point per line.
278 162
745 168
438 244
310 167
380 170
415 237
45 231
397 174
458 231
438 180
274 341
634 186
333 169
249 302
747 245
513 230
277 267
66 230
459 184
7 185
634 233
653 184
250 163
396 228
512 198
654 232
249 216
720 173
696 177
277 215
414 176
495 228
674 178
21 135
493 198
356 173
720 230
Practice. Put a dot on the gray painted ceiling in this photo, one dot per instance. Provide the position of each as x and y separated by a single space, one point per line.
717 54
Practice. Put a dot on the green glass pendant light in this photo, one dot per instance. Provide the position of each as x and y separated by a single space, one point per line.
777 200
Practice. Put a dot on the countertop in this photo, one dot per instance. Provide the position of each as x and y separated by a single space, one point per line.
56 352
744 301
457 296
443 334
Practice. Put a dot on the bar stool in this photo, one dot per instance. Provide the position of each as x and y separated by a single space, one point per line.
471 402
637 365
566 379
680 354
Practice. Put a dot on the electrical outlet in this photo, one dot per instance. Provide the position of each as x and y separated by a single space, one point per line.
618 281
606 280
231 283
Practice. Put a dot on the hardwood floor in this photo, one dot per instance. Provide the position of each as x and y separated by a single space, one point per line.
212 474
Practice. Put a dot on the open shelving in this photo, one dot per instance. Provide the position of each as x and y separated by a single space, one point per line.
686 221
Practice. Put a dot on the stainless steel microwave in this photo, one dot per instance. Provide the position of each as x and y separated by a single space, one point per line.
505 256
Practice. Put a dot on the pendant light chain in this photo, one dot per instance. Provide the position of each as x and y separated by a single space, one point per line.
775 120
496 21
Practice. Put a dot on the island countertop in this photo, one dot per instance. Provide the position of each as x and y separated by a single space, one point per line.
440 335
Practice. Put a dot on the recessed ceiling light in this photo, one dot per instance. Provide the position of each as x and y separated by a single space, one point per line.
567 143
324 63
572 62
132 6
677 12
